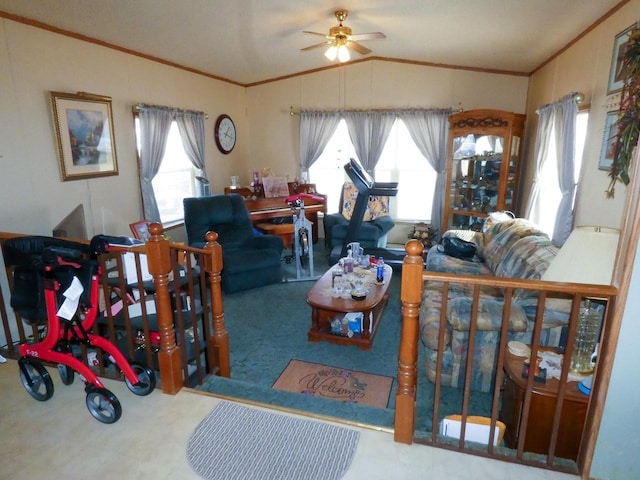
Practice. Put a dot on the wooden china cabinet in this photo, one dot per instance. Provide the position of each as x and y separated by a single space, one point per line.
483 167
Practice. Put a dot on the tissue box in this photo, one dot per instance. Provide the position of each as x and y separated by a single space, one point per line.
355 321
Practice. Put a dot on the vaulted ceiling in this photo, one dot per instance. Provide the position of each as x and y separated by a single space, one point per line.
250 41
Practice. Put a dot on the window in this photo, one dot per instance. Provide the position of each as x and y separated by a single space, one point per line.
401 162
176 178
328 171
550 196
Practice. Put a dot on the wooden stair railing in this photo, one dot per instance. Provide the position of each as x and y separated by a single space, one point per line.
169 359
162 259
413 279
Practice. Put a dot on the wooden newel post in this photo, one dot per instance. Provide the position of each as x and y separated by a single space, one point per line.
220 339
159 261
410 297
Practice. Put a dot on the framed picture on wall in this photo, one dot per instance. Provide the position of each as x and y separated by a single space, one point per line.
608 141
615 73
84 134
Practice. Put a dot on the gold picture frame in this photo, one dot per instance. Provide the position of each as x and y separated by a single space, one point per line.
84 134
619 46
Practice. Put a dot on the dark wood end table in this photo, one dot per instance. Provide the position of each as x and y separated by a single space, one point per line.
541 410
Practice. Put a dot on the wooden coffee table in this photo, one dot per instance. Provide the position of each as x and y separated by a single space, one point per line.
325 308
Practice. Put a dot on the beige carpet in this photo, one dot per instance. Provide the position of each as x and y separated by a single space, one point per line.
335 383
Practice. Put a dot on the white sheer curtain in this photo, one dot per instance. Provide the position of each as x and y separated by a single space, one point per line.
155 123
428 129
191 127
369 131
316 129
555 139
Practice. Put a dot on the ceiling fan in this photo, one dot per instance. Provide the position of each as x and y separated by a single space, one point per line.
340 40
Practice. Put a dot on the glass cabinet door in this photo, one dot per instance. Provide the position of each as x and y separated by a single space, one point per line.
512 176
475 178
483 166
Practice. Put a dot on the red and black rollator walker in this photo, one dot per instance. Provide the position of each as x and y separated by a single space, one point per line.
56 285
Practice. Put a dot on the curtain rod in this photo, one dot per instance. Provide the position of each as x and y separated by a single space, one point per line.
138 106
293 112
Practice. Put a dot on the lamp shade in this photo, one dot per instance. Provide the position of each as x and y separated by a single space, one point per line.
587 256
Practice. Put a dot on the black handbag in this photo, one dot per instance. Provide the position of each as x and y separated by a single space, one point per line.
459 248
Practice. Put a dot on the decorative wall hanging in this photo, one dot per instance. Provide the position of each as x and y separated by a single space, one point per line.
628 122
615 73
608 141
84 134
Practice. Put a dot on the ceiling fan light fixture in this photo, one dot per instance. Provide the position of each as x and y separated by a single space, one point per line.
343 54
331 53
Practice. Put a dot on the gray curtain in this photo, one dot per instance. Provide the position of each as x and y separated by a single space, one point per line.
566 113
316 129
558 121
369 132
191 127
155 123
428 129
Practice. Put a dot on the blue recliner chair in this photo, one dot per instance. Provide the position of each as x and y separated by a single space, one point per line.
249 259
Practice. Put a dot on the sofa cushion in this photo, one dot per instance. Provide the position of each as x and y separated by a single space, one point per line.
528 258
489 314
502 237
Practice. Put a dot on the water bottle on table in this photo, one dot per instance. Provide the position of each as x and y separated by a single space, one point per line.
380 270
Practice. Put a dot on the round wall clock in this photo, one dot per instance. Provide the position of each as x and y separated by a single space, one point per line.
225 133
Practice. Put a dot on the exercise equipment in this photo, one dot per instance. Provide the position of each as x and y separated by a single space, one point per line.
366 187
302 238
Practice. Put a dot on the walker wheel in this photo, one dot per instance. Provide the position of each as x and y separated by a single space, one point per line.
66 374
35 379
146 380
103 405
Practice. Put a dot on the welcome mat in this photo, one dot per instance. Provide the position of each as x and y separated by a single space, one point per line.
335 383
239 442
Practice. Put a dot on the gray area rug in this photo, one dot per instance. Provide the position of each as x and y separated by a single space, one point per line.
239 442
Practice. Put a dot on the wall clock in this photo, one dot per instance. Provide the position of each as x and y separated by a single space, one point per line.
225 134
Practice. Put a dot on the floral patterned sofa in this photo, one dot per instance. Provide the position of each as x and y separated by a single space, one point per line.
515 249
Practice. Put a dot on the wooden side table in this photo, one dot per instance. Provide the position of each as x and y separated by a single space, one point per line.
541 410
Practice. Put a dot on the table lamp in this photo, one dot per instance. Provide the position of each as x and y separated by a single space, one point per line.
587 256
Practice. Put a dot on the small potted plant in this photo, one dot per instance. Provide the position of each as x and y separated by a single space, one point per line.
424 233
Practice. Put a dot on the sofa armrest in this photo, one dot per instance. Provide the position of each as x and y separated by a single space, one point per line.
438 261
489 314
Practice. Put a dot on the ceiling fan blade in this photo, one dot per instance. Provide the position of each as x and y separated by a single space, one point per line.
361 49
317 45
368 36
316 33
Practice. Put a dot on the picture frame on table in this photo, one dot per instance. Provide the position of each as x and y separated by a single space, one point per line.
615 73
275 187
140 230
608 141
83 125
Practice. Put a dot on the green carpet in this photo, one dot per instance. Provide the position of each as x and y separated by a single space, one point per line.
268 327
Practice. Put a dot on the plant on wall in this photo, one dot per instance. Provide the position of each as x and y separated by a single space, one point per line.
628 122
